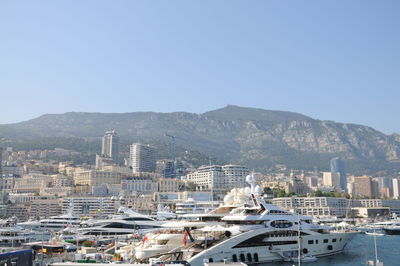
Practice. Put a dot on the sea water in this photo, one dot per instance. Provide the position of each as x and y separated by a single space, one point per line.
360 250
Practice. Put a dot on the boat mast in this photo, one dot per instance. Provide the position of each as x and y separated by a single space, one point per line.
376 249
298 238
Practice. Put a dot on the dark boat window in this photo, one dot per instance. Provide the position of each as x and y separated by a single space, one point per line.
325 240
310 242
334 240
249 258
234 258
242 259
255 257
210 260
259 240
305 251
316 241
281 224
330 247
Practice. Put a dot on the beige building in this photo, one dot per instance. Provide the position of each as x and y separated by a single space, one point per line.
169 184
32 183
18 198
330 179
96 177
62 181
56 191
364 186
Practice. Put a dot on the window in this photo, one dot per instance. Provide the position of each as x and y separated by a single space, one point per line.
310 242
316 241
325 240
281 224
255 257
242 259
234 258
249 258
334 240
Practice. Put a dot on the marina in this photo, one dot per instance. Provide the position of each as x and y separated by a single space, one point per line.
243 230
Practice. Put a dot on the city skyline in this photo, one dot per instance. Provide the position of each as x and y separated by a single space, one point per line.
327 60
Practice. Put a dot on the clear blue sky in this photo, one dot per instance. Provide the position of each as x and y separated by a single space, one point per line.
331 60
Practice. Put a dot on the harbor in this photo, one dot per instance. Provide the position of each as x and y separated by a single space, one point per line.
244 229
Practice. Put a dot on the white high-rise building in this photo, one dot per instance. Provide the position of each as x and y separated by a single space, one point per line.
110 144
396 188
219 177
142 158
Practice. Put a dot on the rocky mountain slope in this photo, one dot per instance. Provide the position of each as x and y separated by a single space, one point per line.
256 137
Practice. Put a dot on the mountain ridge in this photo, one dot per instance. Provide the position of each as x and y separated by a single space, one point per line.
257 137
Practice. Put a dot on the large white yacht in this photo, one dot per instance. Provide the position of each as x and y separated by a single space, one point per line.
173 234
127 222
261 233
12 235
54 223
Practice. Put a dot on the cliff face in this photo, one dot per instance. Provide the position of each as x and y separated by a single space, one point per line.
234 133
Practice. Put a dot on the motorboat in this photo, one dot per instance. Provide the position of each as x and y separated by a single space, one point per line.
265 233
125 223
158 243
374 233
393 229
164 213
55 223
174 233
12 235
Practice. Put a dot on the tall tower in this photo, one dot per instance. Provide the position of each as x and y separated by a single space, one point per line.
142 158
337 166
110 144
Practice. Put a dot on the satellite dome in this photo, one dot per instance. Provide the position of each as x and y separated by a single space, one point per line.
229 199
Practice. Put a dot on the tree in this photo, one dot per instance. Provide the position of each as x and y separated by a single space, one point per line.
190 186
318 193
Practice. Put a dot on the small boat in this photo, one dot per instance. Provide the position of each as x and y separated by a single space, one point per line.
305 259
392 230
374 234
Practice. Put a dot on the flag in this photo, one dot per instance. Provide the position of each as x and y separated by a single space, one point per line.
184 237
144 240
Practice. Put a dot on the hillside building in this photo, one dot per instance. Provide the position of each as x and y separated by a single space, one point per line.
219 178
110 145
142 158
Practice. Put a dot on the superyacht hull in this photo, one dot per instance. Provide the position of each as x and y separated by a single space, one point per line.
254 248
